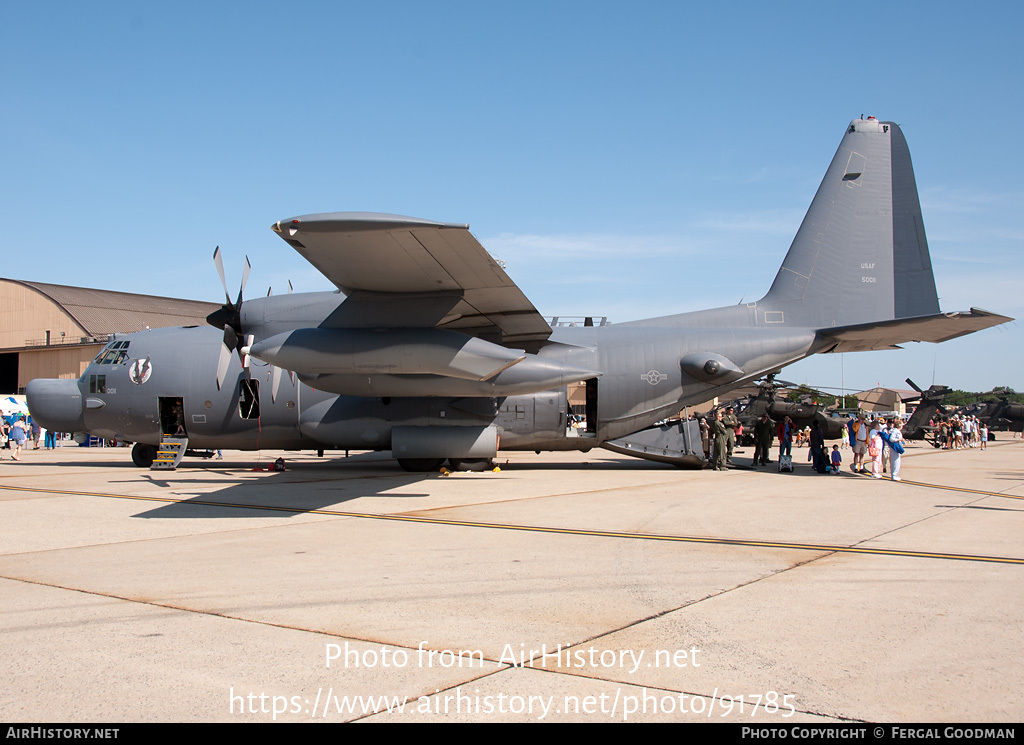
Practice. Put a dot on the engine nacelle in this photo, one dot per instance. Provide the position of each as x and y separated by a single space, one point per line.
411 363
386 351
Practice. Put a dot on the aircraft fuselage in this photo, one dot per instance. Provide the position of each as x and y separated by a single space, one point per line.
641 377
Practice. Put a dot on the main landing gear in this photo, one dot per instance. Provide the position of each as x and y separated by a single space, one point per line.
421 465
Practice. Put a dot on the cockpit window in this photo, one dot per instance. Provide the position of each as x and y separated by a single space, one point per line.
114 354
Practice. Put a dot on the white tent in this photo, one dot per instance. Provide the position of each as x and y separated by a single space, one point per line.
13 405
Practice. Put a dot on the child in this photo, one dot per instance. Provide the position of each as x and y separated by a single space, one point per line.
837 460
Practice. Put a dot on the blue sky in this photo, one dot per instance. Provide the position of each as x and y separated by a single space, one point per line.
623 159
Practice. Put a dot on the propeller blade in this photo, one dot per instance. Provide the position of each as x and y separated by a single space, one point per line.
224 360
220 270
275 381
913 385
290 288
245 278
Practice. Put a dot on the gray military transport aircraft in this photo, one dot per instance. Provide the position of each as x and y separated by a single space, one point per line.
430 350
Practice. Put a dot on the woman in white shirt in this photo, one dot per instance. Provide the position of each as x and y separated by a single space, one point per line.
895 457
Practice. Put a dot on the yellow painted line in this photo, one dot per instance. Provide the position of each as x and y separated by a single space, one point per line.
542 529
963 489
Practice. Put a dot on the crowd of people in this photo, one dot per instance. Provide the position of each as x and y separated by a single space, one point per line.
876 444
878 441
961 431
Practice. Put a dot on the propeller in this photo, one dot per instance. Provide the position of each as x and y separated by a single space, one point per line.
229 317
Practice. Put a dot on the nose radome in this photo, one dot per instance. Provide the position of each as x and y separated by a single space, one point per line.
56 404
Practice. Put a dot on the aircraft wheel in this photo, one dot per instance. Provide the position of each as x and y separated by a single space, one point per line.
471 464
143 455
420 465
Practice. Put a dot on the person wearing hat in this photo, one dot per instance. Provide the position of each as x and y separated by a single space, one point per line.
731 422
859 442
895 457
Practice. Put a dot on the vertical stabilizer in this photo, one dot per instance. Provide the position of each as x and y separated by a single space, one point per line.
915 293
861 254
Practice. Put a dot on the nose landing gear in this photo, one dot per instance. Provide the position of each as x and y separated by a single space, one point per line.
143 455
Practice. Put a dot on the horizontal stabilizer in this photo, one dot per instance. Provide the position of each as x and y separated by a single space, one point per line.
936 328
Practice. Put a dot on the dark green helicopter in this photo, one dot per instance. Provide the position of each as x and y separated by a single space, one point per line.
1000 415
917 427
802 412
1003 414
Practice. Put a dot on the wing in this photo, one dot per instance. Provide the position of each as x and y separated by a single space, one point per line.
408 272
888 334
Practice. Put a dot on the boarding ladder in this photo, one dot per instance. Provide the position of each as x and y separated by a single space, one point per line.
169 453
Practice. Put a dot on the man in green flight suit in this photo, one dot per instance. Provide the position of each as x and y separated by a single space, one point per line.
731 422
719 458
764 433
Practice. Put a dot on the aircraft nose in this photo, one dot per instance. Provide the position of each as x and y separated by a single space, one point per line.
56 404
